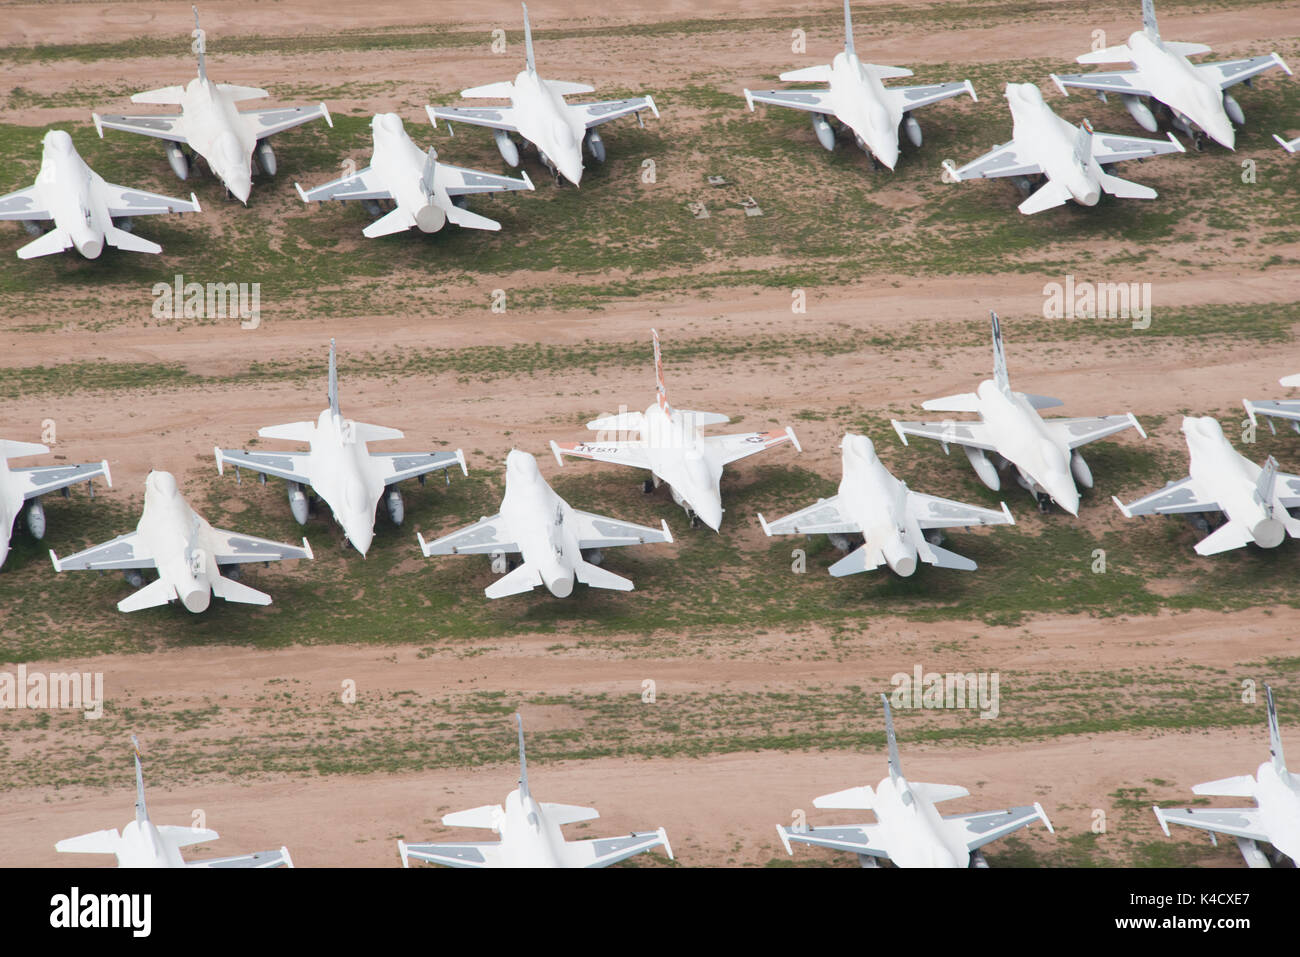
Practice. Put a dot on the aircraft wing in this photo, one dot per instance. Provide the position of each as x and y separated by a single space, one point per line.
1077 432
459 181
744 444
930 511
125 551
163 126
1231 72
48 478
1005 160
617 453
290 466
952 432
1279 408
597 531
914 97
1113 148
604 851
1176 498
363 184
23 204
124 201
261 859
484 537
1236 822
812 101
983 827
265 123
480 854
594 114
234 548
395 467
822 518
1109 81
493 117
856 839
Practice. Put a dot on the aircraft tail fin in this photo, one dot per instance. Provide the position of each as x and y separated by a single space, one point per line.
524 578
471 220
1000 377
1048 196
141 812
861 798
155 593
560 814
864 558
502 89
1125 189
200 44
55 241
1228 536
942 558
1083 141
430 170
934 793
182 835
96 842
1240 785
895 766
1267 481
488 817
661 393
1149 26
394 221
1274 735
231 590
333 382
528 40
523 760
163 96
848 29
597 577
121 239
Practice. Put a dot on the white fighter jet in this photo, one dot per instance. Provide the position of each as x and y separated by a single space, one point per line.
559 544
530 834
1073 162
188 554
209 124
908 830
143 843
88 213
340 469
674 449
1274 820
1288 409
1193 94
21 489
426 194
1253 500
859 101
1291 146
878 520
539 114
1044 452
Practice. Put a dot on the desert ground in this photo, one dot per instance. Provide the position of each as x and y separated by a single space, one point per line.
1121 687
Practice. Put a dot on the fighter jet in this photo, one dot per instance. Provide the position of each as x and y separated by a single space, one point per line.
1276 408
88 213
188 554
143 843
21 489
339 467
1254 500
1073 162
559 544
1044 452
228 139
859 101
878 520
539 114
1274 820
674 449
426 194
1291 146
530 834
1194 95
908 830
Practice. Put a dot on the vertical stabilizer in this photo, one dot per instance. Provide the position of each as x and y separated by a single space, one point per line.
528 41
200 44
1274 734
141 814
661 393
895 766
1083 142
523 761
1149 19
334 382
848 29
999 356
430 168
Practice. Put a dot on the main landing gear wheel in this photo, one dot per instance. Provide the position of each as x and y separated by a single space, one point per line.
1044 502
648 486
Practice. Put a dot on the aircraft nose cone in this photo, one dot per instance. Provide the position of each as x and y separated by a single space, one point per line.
197 600
360 535
240 187
888 158
710 513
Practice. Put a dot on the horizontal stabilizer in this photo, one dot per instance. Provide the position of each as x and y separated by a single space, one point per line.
396 221
1230 536
503 89
567 88
809 74
934 793
1115 54
854 799
467 219
181 835
1047 196
121 239
55 241
1241 785
942 558
701 419
231 590
1182 48
365 432
620 422
962 402
238 93
96 842
289 431
1124 188
569 813
13 450
861 559
1041 401
522 579
486 816
888 72
162 96
150 596
597 577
